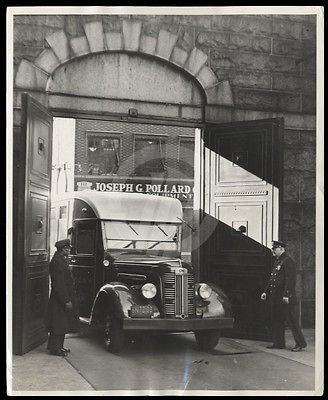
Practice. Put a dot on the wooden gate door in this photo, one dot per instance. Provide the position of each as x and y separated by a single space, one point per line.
241 198
32 179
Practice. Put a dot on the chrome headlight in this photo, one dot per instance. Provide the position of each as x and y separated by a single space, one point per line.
106 263
149 290
204 291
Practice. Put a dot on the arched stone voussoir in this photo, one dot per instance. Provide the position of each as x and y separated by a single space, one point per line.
131 31
30 76
114 40
165 44
59 44
220 94
196 60
80 46
47 60
179 56
147 44
206 77
95 36
130 38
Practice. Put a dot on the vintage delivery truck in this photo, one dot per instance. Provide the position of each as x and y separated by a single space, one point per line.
128 271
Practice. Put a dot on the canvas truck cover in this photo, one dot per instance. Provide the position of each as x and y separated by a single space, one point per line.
129 206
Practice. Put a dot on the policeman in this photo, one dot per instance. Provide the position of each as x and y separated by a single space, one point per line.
62 313
281 296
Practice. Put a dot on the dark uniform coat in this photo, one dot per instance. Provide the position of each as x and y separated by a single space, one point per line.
282 280
282 284
59 319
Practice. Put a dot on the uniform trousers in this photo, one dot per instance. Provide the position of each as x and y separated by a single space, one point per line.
279 314
55 342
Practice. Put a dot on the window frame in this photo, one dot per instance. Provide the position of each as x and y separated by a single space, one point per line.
149 136
77 227
103 135
185 138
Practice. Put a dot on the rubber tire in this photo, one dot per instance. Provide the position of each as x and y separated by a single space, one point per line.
207 340
114 337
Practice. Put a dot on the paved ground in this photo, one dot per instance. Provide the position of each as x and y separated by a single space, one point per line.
170 363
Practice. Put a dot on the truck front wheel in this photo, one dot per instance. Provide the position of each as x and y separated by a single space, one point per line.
113 334
207 340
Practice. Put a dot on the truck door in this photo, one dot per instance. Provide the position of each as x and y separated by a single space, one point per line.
242 194
83 263
31 215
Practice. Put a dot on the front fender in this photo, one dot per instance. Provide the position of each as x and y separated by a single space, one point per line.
116 299
217 305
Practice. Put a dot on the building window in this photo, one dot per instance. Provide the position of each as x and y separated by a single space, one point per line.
149 156
186 157
103 154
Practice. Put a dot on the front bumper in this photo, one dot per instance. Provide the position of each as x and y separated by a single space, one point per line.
177 325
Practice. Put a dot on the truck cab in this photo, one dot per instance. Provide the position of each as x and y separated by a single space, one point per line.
128 271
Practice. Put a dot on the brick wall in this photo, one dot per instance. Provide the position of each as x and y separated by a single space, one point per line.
127 142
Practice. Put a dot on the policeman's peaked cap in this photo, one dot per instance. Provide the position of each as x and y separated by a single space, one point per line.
277 243
63 243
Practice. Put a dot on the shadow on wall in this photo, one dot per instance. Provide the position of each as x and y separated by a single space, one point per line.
233 245
241 267
252 145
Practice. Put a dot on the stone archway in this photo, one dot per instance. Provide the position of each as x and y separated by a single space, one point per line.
37 75
54 70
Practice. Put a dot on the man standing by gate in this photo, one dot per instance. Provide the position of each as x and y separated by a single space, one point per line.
281 295
62 316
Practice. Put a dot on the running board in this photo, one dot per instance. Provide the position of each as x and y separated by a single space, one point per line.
86 321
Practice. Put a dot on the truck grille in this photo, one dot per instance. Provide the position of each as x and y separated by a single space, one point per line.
178 295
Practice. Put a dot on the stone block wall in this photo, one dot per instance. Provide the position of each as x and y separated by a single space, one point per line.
268 60
263 59
299 192
30 33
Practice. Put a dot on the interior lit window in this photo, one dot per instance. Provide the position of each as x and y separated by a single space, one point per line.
149 156
103 155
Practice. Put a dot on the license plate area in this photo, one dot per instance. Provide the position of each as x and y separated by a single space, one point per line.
143 311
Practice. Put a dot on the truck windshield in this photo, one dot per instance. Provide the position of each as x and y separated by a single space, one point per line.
142 235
